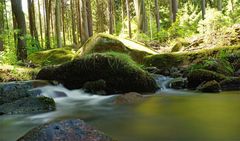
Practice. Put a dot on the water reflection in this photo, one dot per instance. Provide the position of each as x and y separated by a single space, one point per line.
165 116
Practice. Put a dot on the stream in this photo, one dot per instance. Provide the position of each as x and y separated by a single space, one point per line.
180 115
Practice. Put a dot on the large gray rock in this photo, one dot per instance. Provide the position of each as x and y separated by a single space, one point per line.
22 98
67 130
28 105
12 91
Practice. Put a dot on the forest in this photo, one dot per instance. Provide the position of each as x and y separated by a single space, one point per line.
119 70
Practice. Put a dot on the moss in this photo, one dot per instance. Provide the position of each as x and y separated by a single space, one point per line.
104 43
197 77
210 86
52 57
95 86
217 65
49 102
17 73
177 47
163 61
231 83
119 71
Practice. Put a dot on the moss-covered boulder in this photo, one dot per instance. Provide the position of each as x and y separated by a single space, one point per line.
163 61
221 66
229 84
210 86
119 71
197 77
95 86
28 105
52 56
67 130
105 43
178 83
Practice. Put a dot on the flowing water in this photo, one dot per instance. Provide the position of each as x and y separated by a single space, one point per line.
167 115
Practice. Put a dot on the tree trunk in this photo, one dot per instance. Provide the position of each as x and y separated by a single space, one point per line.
203 7
73 11
32 23
40 22
141 16
1 24
232 3
173 10
79 20
110 12
129 19
157 15
84 22
89 17
58 23
219 4
123 14
47 32
63 22
21 26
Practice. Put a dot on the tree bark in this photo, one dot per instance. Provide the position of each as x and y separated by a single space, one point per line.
89 17
21 26
219 4
157 15
84 22
73 11
174 8
203 7
47 32
129 19
40 22
110 15
141 16
32 23
1 24
58 23
63 22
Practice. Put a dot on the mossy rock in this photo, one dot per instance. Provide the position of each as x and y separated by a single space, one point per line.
178 83
29 105
230 84
177 47
52 56
119 71
217 65
163 61
210 86
197 77
104 43
95 86
10 73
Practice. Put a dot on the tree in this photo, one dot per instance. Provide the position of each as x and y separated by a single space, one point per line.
129 19
58 23
63 22
84 22
89 17
1 24
32 23
21 27
73 22
110 12
157 15
141 16
173 10
47 32
40 22
219 5
203 7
